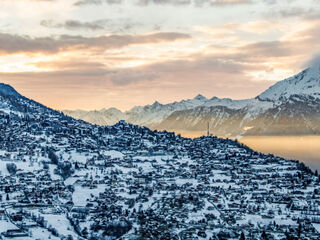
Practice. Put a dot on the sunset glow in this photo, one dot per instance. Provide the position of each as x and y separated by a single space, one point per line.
101 53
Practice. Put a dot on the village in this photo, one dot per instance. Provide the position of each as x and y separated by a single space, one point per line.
66 179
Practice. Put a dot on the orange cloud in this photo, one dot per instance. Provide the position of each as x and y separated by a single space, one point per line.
134 71
10 44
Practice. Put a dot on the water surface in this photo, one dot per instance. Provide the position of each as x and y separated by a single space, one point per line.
303 148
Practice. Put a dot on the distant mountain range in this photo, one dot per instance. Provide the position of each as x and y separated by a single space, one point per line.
289 107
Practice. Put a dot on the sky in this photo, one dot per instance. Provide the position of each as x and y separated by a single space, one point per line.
94 54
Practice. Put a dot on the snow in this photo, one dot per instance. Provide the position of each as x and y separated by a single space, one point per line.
41 234
304 83
61 223
192 114
256 219
194 172
142 115
113 154
25 166
316 226
227 102
81 194
5 225
257 107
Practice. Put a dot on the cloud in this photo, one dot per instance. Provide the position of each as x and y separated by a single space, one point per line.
269 49
224 2
119 25
128 76
313 61
239 71
93 86
10 44
76 25
73 68
204 63
96 2
166 2
290 12
70 64
163 2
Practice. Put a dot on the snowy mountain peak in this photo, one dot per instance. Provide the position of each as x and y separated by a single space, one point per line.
200 97
7 90
296 96
306 83
112 110
156 104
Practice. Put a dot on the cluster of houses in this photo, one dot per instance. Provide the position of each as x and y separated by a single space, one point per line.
74 180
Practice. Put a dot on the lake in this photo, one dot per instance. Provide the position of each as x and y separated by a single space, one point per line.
303 148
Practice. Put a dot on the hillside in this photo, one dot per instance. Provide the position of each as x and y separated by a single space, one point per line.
63 178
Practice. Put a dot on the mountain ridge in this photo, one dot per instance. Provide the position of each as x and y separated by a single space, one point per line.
292 101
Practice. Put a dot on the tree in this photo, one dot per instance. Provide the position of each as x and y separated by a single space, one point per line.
12 168
45 166
264 235
53 157
76 165
65 169
69 237
84 231
242 236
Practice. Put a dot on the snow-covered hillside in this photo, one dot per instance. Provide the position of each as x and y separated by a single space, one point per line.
7 90
62 178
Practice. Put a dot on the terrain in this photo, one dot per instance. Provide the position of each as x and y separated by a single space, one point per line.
290 107
63 178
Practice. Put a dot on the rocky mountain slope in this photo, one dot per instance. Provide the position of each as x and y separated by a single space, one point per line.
62 178
290 107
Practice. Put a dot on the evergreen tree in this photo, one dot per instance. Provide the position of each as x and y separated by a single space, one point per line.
12 168
53 157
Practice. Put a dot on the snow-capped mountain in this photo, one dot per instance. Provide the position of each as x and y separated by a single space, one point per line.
291 106
149 115
153 115
103 117
304 84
